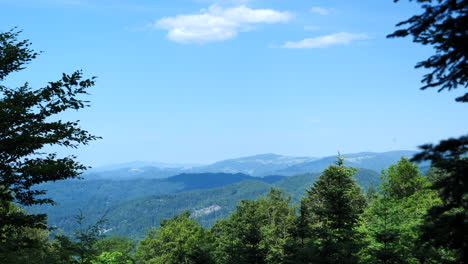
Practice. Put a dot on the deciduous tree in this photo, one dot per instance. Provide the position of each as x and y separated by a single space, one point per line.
29 122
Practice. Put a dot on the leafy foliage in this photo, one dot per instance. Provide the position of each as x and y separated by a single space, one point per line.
443 25
28 123
178 240
257 232
394 217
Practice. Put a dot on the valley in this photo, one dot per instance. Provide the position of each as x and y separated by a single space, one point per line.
140 197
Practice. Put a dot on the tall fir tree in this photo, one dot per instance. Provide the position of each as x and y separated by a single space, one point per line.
335 204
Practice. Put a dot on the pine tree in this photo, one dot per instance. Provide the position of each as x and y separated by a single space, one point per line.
446 224
335 203
257 232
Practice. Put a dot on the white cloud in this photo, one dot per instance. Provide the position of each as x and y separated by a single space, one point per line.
217 23
342 38
320 10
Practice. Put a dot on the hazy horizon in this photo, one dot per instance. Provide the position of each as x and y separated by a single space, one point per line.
183 163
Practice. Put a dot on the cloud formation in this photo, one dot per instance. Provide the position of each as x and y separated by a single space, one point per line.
342 38
217 23
320 10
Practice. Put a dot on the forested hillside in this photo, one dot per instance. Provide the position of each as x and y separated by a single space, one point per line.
132 206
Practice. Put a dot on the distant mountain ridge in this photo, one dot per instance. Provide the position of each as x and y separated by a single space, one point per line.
257 166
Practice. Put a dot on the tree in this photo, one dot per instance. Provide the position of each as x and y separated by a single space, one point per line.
238 237
335 204
123 245
24 245
394 218
401 180
257 232
178 240
277 230
371 194
28 123
443 24
445 224
115 257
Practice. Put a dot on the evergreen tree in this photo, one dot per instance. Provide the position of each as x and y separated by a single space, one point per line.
402 180
393 219
257 232
179 240
238 237
446 224
277 231
23 245
335 204
371 194
444 26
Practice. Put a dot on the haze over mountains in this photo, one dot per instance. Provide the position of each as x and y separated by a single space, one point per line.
257 166
135 196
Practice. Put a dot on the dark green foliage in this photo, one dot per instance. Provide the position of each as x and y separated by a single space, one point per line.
126 203
333 208
445 224
371 194
258 231
27 126
402 180
178 240
21 244
114 243
238 238
14 54
394 217
115 257
194 181
329 226
82 246
443 25
99 195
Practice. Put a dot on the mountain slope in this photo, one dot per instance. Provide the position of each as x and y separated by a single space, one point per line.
365 160
132 217
88 195
258 165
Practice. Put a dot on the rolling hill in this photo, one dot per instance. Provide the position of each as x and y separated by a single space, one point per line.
130 216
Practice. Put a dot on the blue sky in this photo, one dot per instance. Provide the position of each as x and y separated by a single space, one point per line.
198 81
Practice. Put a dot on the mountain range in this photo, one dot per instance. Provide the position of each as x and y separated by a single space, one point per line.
135 196
256 166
